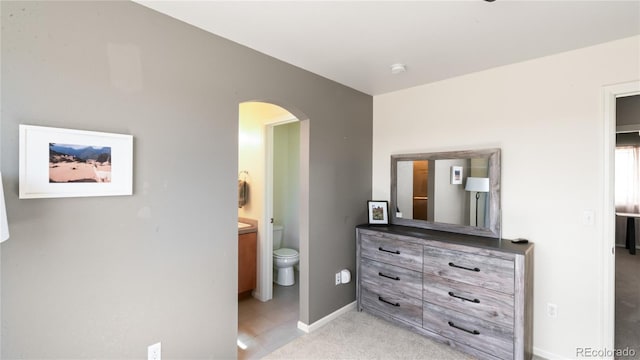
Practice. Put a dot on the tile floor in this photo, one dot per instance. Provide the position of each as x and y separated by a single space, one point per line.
265 326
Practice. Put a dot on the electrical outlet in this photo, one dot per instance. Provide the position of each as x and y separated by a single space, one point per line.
338 279
552 310
154 352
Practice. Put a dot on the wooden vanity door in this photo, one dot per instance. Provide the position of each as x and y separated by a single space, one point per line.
420 189
247 262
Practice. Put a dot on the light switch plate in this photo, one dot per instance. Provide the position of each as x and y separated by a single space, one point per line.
588 217
154 352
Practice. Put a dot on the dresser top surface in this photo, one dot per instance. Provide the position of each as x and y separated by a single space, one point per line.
449 237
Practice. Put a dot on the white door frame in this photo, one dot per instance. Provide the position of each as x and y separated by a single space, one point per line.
610 94
265 270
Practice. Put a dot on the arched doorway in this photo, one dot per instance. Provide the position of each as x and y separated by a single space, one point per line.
270 135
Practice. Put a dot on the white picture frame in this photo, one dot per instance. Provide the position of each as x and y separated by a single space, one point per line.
56 163
378 212
457 175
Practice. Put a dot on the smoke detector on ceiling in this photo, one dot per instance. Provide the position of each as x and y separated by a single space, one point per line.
398 68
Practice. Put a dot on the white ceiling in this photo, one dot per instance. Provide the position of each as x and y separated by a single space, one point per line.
355 42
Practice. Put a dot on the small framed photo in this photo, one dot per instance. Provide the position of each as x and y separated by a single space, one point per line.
378 212
58 163
456 175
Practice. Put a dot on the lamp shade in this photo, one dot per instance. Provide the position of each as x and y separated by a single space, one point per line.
477 184
4 225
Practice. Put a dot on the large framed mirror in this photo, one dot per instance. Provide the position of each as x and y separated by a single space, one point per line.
457 191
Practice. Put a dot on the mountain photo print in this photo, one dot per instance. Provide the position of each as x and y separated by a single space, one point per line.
72 163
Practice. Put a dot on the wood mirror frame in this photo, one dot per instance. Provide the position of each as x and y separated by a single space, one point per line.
493 155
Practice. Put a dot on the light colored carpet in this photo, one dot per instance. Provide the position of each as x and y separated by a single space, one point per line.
628 301
358 335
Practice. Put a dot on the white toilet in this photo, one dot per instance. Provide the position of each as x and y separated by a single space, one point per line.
283 259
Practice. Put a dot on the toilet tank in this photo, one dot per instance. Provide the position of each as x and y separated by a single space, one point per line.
278 231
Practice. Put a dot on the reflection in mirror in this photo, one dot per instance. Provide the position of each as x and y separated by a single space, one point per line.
455 191
437 196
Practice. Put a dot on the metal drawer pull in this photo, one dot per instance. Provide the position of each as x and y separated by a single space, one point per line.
464 298
388 302
389 251
474 332
462 267
389 276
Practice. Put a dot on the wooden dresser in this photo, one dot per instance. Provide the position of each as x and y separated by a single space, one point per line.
472 293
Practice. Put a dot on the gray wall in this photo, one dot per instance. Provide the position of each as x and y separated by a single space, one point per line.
404 189
449 199
629 139
105 277
628 110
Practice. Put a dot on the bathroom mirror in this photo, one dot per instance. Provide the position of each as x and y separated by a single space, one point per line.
457 191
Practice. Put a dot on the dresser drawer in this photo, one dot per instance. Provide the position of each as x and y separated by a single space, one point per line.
485 304
488 337
393 279
478 270
400 306
391 251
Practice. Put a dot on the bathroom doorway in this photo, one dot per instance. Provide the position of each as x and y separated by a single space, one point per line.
609 332
627 207
273 161
283 198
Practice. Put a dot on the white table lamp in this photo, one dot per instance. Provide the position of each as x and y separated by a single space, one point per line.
479 185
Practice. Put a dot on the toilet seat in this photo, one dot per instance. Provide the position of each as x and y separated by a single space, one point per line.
284 260
285 253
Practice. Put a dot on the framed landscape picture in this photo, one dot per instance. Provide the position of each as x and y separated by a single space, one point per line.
58 162
378 212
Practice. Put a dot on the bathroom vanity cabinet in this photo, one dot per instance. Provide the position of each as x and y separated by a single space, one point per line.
247 262
472 293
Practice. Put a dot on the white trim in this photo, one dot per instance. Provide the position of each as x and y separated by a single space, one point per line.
607 263
286 120
327 319
265 271
627 128
624 247
546 355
